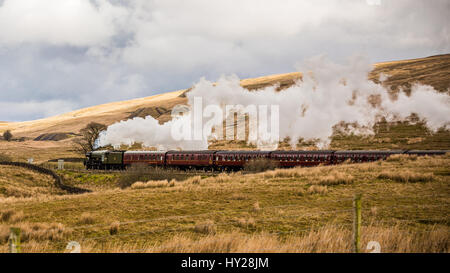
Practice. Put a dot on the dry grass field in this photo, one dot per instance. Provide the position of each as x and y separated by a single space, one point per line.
406 203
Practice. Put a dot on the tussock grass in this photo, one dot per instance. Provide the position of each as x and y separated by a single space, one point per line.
401 158
86 219
36 231
316 189
194 180
335 178
114 228
325 239
246 222
329 238
5 158
207 227
11 216
143 172
151 184
256 207
406 176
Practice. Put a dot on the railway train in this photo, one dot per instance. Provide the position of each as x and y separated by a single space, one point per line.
235 160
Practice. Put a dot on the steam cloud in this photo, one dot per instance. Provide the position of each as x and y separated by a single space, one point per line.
328 94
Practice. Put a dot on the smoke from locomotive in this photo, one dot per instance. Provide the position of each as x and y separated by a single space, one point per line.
327 95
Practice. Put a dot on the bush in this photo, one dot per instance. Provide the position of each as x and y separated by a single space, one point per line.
315 189
151 184
406 176
260 165
207 227
86 219
143 172
114 228
335 178
7 135
5 158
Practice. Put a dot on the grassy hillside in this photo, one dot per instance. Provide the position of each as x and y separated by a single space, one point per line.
61 130
20 182
405 208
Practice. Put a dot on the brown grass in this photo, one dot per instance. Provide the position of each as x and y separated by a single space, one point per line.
403 217
401 158
315 189
151 184
406 176
246 222
336 178
11 216
20 182
5 158
207 227
325 239
36 231
256 207
86 219
114 228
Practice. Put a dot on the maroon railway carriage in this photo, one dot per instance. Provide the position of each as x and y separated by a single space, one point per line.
190 159
287 159
363 156
153 158
233 160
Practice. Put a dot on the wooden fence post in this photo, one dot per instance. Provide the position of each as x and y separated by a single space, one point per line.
14 240
357 224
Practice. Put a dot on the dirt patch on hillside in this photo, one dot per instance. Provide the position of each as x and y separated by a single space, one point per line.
54 136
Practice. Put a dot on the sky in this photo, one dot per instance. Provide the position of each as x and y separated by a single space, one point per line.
62 55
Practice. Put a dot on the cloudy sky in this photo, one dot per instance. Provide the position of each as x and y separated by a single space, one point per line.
61 55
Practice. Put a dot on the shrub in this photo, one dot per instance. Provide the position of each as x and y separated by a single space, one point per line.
7 135
207 227
401 158
150 184
246 222
5 158
260 165
315 189
143 172
114 228
406 176
11 216
256 207
86 219
336 178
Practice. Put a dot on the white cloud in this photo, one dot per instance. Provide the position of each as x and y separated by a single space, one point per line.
93 51
59 22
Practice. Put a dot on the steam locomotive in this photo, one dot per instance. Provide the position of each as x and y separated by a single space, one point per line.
235 160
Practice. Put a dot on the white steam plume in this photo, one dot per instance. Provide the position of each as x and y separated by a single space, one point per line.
328 94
